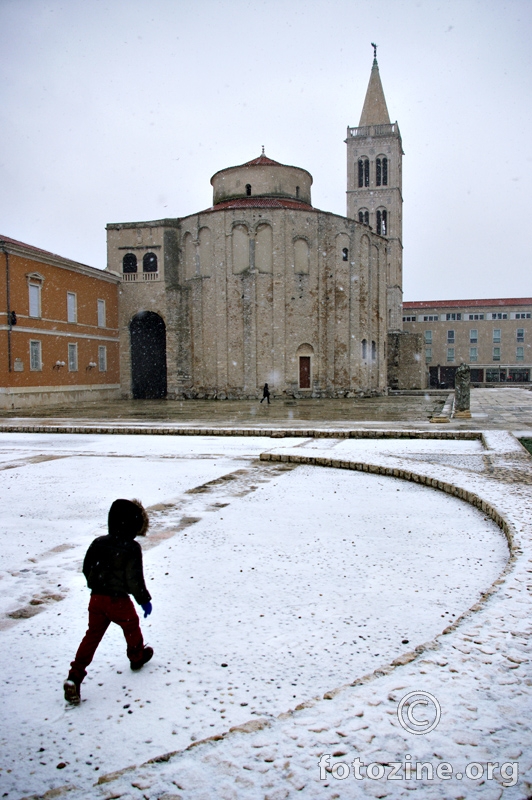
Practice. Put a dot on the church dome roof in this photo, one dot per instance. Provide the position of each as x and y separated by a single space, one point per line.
262 177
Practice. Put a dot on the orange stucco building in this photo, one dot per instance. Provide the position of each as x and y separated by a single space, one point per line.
59 337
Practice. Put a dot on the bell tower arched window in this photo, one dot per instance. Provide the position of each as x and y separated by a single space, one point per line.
363 216
382 171
382 221
363 172
248 189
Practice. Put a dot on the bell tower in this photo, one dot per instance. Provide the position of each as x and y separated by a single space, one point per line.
374 185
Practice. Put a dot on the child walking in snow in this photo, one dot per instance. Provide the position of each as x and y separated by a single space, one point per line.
113 569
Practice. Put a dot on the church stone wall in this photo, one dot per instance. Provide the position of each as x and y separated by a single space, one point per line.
270 282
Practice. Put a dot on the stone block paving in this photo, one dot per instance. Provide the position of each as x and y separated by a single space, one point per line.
478 669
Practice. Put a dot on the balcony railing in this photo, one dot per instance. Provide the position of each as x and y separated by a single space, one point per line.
138 277
374 130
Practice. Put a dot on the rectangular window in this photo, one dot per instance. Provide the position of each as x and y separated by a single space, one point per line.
499 315
428 337
473 335
72 310
450 337
428 354
496 354
35 299
430 318
523 316
476 316
520 354
35 356
453 316
102 358
72 358
520 335
450 354
101 313
493 375
473 353
496 335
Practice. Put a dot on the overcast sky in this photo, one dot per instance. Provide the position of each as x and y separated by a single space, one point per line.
121 110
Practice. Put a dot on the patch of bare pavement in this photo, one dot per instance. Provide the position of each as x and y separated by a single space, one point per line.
504 408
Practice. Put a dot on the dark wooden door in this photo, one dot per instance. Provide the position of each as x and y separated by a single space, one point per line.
304 372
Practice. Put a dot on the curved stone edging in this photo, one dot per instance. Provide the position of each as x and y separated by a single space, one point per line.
449 488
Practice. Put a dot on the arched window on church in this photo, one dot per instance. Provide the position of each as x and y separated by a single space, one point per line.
129 263
363 172
364 349
382 221
363 216
373 351
345 254
149 263
248 189
382 171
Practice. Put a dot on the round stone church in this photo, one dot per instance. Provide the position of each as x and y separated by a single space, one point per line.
264 288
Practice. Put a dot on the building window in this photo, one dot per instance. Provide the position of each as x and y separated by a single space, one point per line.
428 337
409 319
35 299
520 354
72 358
476 316
453 316
363 216
363 172
450 337
499 315
102 358
473 335
496 335
496 354
364 349
297 192
149 263
428 354
129 263
373 351
523 315
382 171
35 356
450 354
72 307
520 334
431 318
382 221
345 254
473 353
101 314
248 190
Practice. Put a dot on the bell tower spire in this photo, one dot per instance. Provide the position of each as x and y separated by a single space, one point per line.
374 184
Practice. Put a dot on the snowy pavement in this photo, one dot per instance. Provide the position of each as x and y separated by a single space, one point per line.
298 574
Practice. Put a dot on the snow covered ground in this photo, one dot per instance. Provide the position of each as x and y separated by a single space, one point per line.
272 583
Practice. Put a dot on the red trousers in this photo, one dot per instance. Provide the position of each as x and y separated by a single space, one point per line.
102 611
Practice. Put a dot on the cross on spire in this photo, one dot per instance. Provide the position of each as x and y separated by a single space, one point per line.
374 50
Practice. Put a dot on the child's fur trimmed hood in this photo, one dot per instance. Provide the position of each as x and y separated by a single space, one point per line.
127 519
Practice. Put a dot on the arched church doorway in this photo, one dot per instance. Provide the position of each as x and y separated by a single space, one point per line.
304 353
148 356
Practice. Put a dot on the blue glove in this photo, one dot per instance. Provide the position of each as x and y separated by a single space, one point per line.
147 608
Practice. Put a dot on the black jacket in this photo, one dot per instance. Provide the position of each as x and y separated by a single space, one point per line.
113 566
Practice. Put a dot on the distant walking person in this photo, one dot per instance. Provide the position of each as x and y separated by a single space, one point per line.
266 394
113 569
